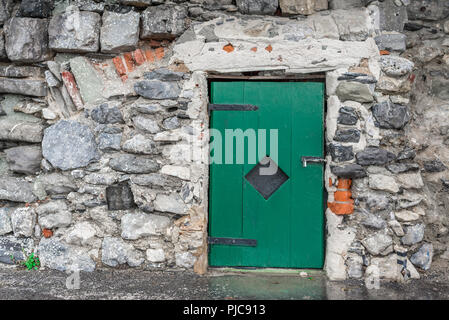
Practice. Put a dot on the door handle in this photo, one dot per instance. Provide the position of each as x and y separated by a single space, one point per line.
304 160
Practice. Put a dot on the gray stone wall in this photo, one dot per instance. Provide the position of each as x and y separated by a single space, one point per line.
103 124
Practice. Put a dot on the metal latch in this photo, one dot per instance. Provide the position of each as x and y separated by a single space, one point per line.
233 241
304 160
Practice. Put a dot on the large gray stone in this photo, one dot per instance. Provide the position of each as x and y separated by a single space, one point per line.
26 40
434 166
423 257
349 171
13 247
24 159
16 190
347 116
36 8
345 4
156 180
374 156
23 221
13 71
163 74
119 32
163 22
391 16
3 55
413 234
355 91
257 6
54 214
158 90
6 7
352 24
340 153
133 164
108 141
394 66
146 124
440 88
120 197
430 10
27 87
391 41
5 221
347 135
53 184
389 115
304 7
75 31
69 145
139 225
115 251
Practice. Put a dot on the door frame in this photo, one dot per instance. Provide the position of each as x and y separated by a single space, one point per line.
253 76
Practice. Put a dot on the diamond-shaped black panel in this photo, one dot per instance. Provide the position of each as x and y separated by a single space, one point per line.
266 184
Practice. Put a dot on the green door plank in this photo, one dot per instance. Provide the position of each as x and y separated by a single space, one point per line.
307 189
226 179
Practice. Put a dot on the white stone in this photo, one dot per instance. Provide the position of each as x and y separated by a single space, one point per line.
406 215
185 259
176 171
383 182
377 243
337 245
5 221
155 255
387 268
138 225
23 220
169 203
396 227
410 180
82 233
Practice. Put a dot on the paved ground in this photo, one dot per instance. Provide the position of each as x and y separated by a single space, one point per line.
135 284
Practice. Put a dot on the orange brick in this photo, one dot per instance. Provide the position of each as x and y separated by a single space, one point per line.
119 66
384 52
342 195
149 55
160 53
47 233
269 48
129 61
344 183
341 208
254 49
228 48
138 56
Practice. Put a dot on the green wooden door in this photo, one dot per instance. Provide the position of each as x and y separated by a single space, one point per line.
288 223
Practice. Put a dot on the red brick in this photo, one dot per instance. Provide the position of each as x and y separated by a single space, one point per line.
69 81
138 56
119 66
129 61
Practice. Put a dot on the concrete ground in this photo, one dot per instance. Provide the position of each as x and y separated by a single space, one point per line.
137 284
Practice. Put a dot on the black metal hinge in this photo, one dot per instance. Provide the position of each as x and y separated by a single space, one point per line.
233 241
232 107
